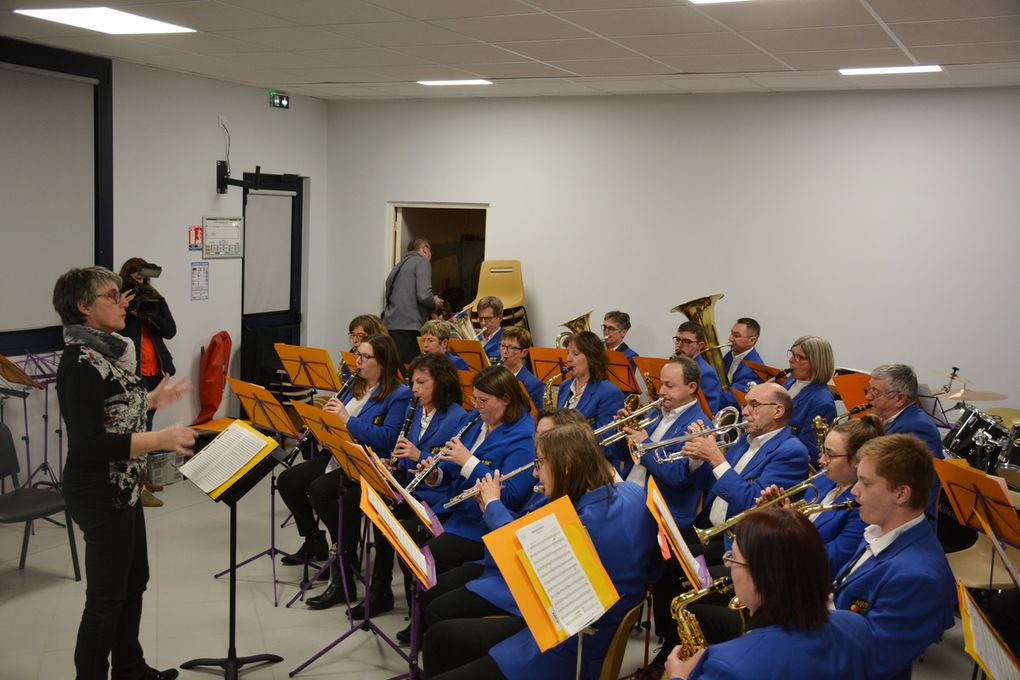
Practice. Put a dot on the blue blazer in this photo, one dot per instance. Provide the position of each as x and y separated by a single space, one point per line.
841 530
624 535
709 384
443 426
813 400
507 447
672 479
905 593
782 460
599 403
741 377
457 362
532 385
491 346
379 422
840 650
918 423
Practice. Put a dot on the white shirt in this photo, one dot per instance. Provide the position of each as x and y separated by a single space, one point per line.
895 415
797 386
826 499
426 420
575 394
472 462
353 407
877 541
638 473
717 515
735 364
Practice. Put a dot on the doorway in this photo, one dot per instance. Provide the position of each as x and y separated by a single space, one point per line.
456 232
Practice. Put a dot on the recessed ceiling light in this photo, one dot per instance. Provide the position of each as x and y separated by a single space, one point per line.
454 82
714 2
934 68
104 20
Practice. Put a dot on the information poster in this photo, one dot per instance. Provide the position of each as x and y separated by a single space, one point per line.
222 237
199 280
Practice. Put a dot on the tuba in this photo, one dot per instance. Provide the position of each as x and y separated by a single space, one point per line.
575 325
702 312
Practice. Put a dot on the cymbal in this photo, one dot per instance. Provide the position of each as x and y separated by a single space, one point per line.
949 376
967 394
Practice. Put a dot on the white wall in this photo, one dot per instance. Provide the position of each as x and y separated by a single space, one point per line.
884 221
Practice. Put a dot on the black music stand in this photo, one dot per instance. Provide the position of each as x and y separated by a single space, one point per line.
232 663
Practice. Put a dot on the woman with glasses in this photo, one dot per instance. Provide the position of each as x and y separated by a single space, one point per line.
779 571
103 402
477 631
358 329
373 410
513 350
811 369
589 390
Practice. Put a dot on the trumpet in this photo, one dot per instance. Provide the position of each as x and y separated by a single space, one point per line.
724 423
706 535
628 421
473 491
433 462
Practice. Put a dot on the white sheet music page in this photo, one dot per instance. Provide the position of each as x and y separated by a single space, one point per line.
222 457
674 531
987 647
575 604
409 546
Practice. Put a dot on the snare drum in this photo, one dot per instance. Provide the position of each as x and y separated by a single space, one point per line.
977 437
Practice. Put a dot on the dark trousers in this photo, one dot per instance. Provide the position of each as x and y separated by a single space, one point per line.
116 571
311 494
449 582
407 344
458 644
451 551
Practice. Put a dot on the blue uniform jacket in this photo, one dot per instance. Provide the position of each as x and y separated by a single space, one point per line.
673 479
506 448
457 362
709 384
841 530
379 422
782 460
813 400
742 377
840 650
913 420
905 593
599 403
491 346
624 535
532 385
443 426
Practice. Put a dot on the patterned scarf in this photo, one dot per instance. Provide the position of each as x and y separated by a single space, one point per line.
118 349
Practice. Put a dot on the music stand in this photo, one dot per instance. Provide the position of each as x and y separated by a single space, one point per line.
621 374
264 412
471 351
763 371
308 366
13 375
850 387
232 663
467 389
43 369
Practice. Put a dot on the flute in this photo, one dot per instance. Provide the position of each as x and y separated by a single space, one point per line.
433 462
474 491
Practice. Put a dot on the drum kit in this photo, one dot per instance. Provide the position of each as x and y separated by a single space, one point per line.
988 441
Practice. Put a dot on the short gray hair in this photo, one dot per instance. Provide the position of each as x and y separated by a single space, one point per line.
491 302
79 286
898 379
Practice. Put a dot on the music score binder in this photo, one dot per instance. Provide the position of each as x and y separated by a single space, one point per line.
418 560
227 458
982 642
523 578
471 351
308 366
674 541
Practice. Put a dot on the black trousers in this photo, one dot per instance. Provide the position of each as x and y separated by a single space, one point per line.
407 344
116 573
457 644
451 551
311 494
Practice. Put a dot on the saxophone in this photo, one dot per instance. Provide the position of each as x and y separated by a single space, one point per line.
547 396
692 640
822 428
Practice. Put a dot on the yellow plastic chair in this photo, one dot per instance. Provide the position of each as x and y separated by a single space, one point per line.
618 646
501 278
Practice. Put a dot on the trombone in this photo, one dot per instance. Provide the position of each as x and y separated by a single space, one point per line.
628 421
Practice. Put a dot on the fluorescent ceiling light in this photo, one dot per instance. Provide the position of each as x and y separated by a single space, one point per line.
454 82
104 20
714 2
934 68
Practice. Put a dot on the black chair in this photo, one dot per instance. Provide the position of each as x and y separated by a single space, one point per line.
25 504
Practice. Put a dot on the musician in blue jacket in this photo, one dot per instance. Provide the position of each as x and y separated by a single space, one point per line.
499 435
435 339
743 337
615 325
690 342
899 581
373 410
464 645
589 390
778 567
892 391
811 369
490 318
513 349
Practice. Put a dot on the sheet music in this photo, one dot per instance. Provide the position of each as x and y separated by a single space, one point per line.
575 604
674 531
403 538
413 502
222 457
997 660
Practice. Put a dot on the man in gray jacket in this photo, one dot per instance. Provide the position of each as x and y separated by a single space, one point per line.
409 297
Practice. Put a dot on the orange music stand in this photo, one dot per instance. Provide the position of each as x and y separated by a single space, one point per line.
649 368
851 390
763 371
471 351
262 408
620 373
467 389
546 361
308 366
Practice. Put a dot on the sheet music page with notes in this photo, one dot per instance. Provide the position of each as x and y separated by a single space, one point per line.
398 531
223 457
573 599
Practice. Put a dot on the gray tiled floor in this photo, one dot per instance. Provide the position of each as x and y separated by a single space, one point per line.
185 612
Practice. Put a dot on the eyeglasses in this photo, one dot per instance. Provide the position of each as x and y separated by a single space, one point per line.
510 348
480 402
357 337
609 328
539 462
363 356
870 392
752 404
795 356
825 453
113 296
683 341
728 560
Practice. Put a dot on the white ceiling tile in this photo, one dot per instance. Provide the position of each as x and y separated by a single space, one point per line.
968 54
293 38
515 27
578 48
452 9
109 46
632 86
778 14
613 67
650 21
687 44
471 53
208 15
718 84
314 12
985 75
837 59
933 10
396 33
724 63
569 5
205 43
790 82
414 73
956 32
900 81
819 39
362 56
274 59
528 69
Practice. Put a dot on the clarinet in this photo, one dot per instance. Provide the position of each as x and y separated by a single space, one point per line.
434 461
393 462
305 431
